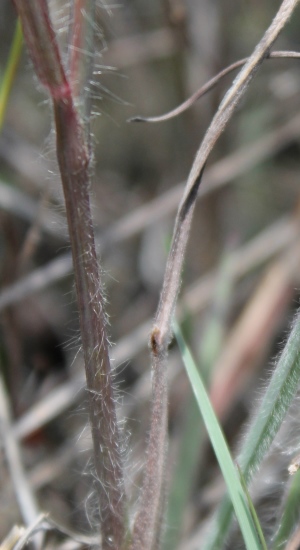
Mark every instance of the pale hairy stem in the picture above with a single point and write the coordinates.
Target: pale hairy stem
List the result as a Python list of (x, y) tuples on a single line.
[(148, 518), (74, 162), (148, 521)]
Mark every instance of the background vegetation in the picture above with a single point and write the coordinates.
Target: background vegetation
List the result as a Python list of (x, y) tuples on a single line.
[(241, 272)]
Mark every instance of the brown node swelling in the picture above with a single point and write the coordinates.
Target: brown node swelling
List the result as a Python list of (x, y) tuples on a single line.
[(155, 341)]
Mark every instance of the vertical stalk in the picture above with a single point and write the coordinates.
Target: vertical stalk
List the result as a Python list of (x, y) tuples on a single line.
[(149, 513), (73, 154), (73, 160)]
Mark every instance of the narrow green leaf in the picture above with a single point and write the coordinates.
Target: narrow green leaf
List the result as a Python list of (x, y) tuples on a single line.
[(252, 510), (221, 449), (193, 430), (278, 397), (8, 77), (290, 515)]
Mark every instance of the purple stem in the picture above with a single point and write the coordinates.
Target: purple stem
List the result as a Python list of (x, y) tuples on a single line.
[(74, 163)]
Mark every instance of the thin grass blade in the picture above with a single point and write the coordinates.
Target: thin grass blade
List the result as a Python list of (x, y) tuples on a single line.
[(265, 425), (219, 444), (252, 510), (290, 514), (10, 70)]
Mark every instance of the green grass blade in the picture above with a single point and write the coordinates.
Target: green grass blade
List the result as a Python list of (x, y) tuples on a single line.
[(252, 510), (10, 70), (290, 515), (265, 425), (193, 430), (220, 447)]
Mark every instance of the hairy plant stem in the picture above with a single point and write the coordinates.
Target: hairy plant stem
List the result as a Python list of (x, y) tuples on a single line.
[(148, 520), (147, 526), (74, 162)]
